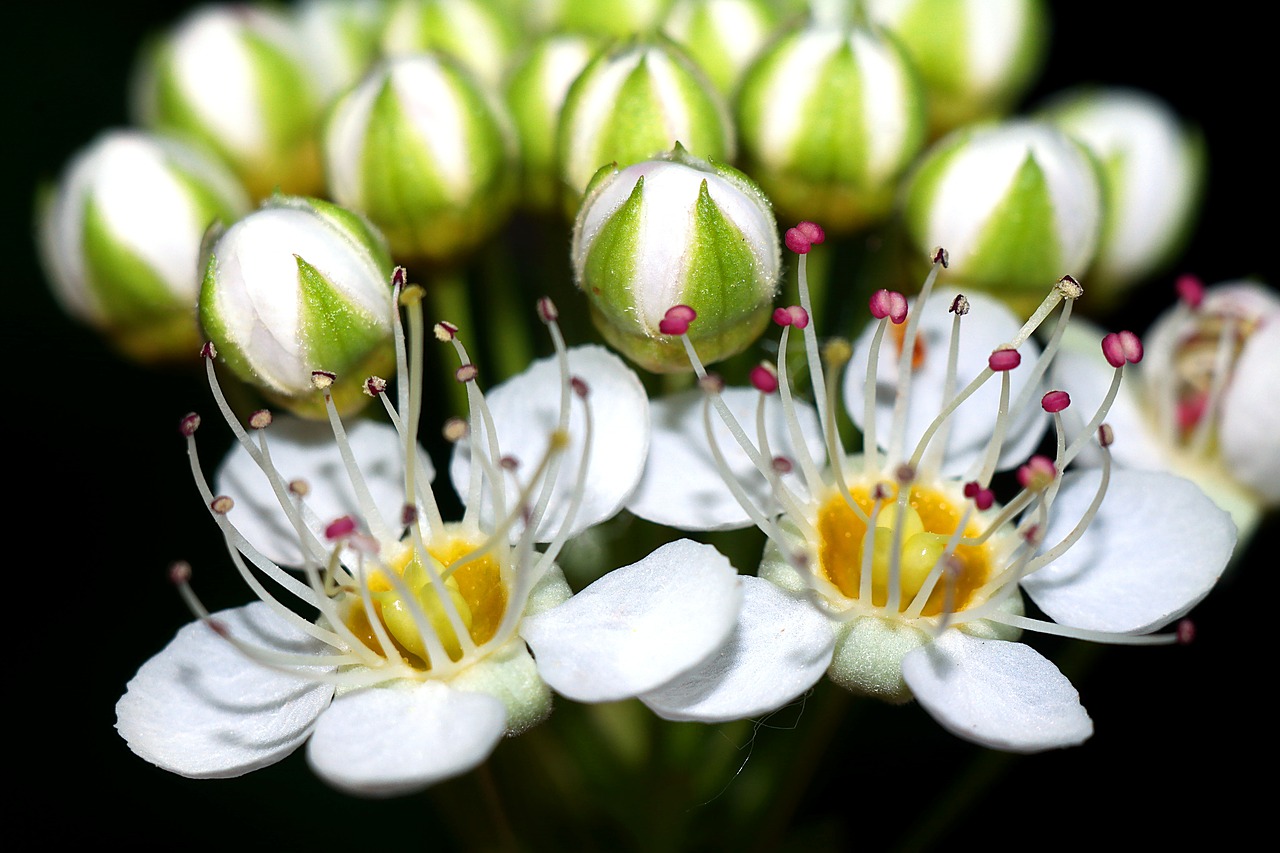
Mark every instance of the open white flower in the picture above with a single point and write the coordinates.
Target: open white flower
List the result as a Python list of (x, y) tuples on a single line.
[(412, 662), (903, 550), (1205, 401)]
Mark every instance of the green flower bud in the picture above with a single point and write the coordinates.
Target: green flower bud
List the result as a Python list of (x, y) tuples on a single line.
[(535, 93), (975, 56), (474, 33), (676, 231), (340, 38), (635, 102), (298, 286), (233, 79), (610, 18), (425, 153), (1153, 168), (723, 36), (120, 238), (829, 119), (1016, 205)]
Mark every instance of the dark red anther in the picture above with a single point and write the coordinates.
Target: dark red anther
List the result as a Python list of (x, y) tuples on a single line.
[(804, 237), (1055, 401), (889, 303), (1190, 290), (1004, 359), (677, 319), (1122, 348), (340, 528), (189, 424), (764, 379)]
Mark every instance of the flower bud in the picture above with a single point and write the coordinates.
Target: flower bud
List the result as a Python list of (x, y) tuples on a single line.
[(424, 153), (1153, 169), (340, 40), (676, 231), (608, 18), (829, 119), (975, 57), (297, 286), (722, 36), (1017, 205), (233, 79), (471, 32), (635, 102), (535, 93), (120, 238)]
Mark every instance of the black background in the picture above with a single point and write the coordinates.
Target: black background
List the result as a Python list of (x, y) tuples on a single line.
[(104, 502)]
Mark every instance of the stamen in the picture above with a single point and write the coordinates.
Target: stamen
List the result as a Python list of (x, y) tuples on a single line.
[(1003, 360), (1190, 290), (189, 424), (764, 379), (1120, 348), (677, 319), (1055, 401)]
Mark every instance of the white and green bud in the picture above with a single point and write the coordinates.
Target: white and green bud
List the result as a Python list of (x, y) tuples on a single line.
[(975, 57), (475, 33), (298, 286), (1016, 205), (723, 36), (423, 151), (635, 102), (535, 94), (120, 238), (829, 119), (676, 231), (607, 18), (340, 39), (233, 79), (1153, 168)]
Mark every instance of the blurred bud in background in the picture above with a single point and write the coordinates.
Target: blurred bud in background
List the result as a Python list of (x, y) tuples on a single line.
[(475, 33), (120, 239), (722, 36), (422, 150), (634, 102), (339, 41), (232, 78), (1153, 167), (676, 231), (975, 57), (830, 118), (1018, 205)]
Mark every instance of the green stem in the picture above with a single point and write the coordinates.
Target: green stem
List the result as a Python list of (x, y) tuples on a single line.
[(449, 298)]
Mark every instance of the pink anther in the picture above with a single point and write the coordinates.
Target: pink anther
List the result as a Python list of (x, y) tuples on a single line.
[(1004, 359), (1055, 401), (1120, 348), (677, 319), (764, 379), (889, 303)]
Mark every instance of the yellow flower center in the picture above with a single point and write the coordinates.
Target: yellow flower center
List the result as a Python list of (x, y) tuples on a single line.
[(927, 523), (475, 590)]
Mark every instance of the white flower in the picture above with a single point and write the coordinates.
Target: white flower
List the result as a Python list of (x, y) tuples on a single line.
[(415, 663), (903, 550), (1205, 401)]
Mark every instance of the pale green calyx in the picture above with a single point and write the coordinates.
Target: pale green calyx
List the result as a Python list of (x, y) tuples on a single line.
[(635, 102), (1016, 205), (425, 153), (975, 57), (234, 80), (676, 231), (299, 286), (723, 36), (474, 33), (535, 93), (829, 119), (120, 238), (1153, 169)]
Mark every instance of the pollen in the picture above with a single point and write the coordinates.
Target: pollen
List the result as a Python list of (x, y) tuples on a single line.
[(926, 526)]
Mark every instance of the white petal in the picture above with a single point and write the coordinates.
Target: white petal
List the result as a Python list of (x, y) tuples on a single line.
[(1154, 550), (1250, 430), (683, 488), (392, 740), (638, 627), (987, 326), (780, 647), (202, 709), (525, 413), (996, 693), (1082, 371), (307, 450)]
